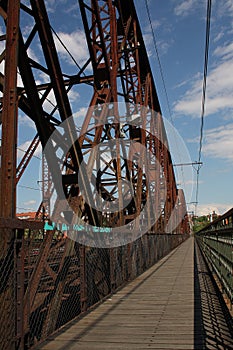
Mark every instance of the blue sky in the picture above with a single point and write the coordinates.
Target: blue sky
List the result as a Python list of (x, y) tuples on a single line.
[(179, 27)]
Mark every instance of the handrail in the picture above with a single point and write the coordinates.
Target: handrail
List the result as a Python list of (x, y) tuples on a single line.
[(217, 247)]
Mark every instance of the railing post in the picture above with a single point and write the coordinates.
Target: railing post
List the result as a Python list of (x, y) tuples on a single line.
[(19, 261), (83, 279)]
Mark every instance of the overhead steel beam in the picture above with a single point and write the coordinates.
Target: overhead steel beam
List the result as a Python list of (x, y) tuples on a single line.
[(120, 73), (27, 157)]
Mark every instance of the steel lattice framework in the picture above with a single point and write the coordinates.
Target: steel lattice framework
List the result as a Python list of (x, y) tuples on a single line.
[(121, 75)]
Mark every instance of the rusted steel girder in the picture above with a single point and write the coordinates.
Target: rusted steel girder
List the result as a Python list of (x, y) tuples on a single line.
[(8, 177), (183, 221), (27, 157), (117, 54), (121, 70), (121, 73), (14, 224), (9, 115)]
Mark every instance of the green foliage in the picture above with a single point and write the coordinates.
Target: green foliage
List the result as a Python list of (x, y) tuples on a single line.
[(199, 223)]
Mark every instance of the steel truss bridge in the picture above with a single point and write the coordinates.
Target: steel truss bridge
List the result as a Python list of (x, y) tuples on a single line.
[(109, 170)]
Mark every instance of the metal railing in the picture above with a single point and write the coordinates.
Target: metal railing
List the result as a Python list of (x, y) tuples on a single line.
[(56, 279), (216, 243)]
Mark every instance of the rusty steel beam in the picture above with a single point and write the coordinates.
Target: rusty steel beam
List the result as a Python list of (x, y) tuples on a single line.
[(95, 39), (43, 125), (47, 187), (111, 42), (121, 72), (103, 48), (53, 65), (20, 279), (56, 296), (27, 157), (83, 278), (31, 291), (121, 46), (9, 115), (20, 224), (36, 111), (182, 213), (57, 83), (51, 57), (8, 177)]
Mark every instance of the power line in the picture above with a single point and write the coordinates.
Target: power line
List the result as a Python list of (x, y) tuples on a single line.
[(21, 208), (208, 16), (66, 49), (30, 188), (23, 150), (205, 75), (159, 62), (163, 81), (193, 163), (73, 59)]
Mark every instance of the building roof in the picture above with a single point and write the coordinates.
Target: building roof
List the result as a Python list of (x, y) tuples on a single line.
[(30, 215)]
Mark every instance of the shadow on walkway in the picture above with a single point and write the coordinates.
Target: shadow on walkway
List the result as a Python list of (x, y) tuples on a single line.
[(213, 326)]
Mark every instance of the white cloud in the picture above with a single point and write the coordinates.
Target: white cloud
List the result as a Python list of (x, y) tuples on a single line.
[(218, 36), (79, 117), (219, 88), (50, 102), (76, 44), (23, 148), (24, 120), (31, 202), (206, 209), (184, 8), (155, 24), (162, 45), (225, 7), (72, 9), (43, 77), (50, 5), (225, 51), (219, 142), (73, 95), (228, 6), (159, 27), (192, 182)]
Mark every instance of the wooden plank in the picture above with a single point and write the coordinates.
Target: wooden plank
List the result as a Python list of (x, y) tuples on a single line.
[(158, 310), (155, 310)]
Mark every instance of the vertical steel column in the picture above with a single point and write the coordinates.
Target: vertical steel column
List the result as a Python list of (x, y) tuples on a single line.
[(9, 114), (8, 178), (46, 188)]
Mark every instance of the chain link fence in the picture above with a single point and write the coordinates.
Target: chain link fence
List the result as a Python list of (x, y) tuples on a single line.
[(7, 290), (48, 280)]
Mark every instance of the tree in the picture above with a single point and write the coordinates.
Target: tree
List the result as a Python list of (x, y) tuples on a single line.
[(199, 223)]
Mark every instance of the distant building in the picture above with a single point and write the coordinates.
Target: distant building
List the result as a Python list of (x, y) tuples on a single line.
[(31, 215), (212, 216)]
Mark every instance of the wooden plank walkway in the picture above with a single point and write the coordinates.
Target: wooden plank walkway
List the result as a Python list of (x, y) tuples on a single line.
[(160, 309)]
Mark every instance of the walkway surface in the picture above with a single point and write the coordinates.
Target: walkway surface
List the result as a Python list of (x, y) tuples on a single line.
[(173, 305)]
